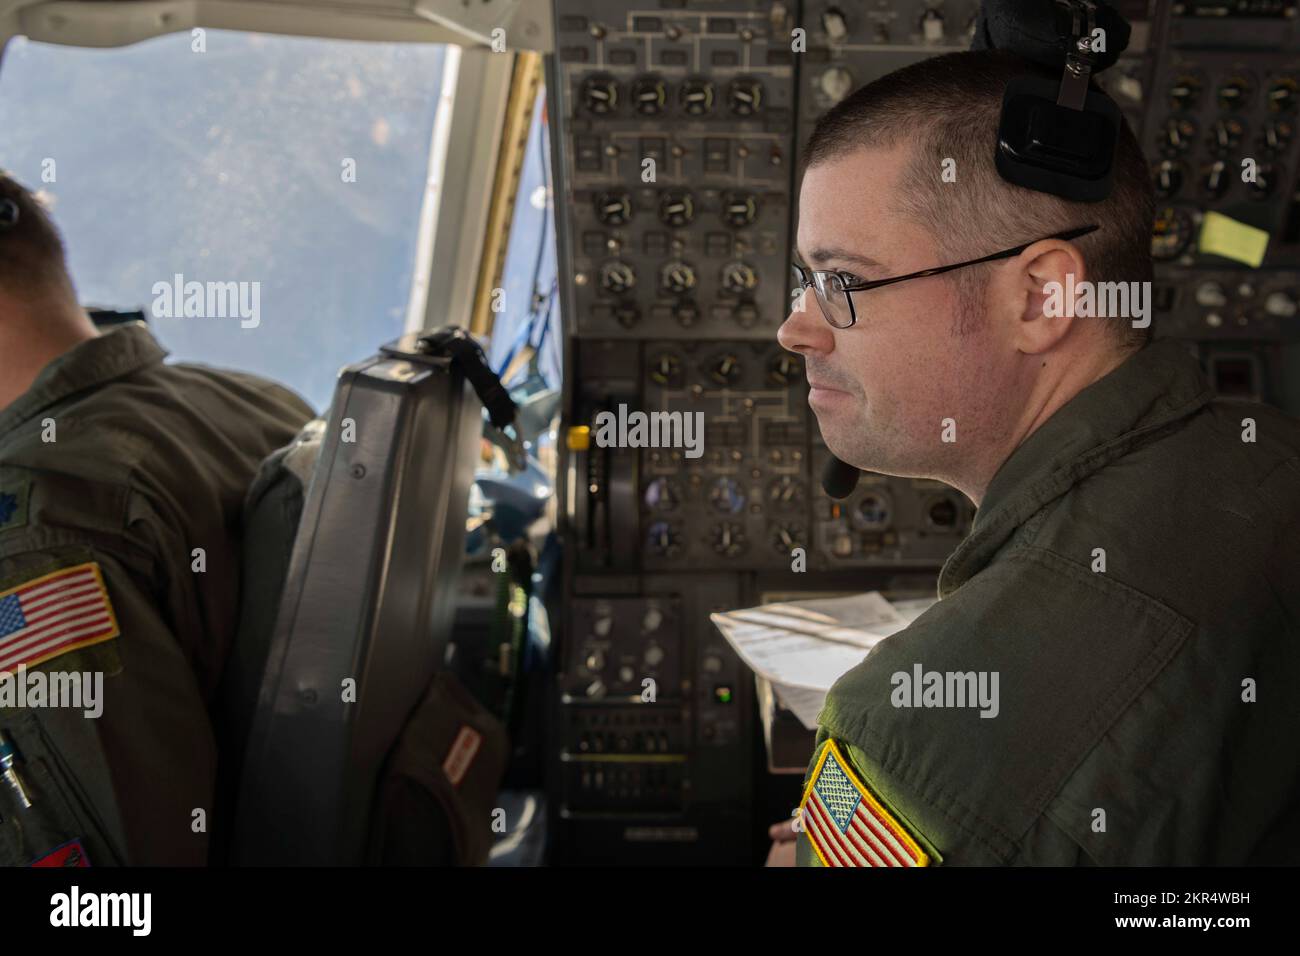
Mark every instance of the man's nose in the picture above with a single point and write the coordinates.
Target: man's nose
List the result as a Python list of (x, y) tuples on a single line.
[(804, 329)]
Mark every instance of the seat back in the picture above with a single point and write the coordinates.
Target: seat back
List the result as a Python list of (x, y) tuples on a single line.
[(364, 615), (272, 512)]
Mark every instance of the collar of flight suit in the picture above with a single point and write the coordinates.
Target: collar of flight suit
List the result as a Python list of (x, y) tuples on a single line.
[(88, 364), (1151, 391)]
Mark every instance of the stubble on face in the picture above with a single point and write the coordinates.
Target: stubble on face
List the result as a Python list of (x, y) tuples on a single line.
[(906, 382)]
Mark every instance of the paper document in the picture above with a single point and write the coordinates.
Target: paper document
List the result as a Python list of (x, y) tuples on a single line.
[(861, 620), (803, 647), (803, 703)]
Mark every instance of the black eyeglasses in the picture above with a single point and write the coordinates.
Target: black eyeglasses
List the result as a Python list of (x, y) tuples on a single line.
[(832, 288)]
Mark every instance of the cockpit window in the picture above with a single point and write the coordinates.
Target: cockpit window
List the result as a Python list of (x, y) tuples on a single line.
[(258, 197)]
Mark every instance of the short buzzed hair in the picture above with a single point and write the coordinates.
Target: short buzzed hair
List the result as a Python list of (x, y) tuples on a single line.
[(949, 107), (32, 257)]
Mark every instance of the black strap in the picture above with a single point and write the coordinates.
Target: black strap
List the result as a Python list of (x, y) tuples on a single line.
[(468, 354)]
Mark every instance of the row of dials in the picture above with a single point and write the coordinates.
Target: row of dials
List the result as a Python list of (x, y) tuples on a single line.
[(726, 538), (1214, 179), (1178, 136), (619, 277), (726, 369), (838, 26), (1186, 93), (727, 496), (601, 94), (676, 208)]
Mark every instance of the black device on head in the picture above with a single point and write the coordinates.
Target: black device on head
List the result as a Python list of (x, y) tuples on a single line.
[(8, 213), (1057, 138)]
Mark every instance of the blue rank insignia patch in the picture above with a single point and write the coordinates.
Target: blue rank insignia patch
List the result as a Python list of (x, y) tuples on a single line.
[(847, 825), (13, 506)]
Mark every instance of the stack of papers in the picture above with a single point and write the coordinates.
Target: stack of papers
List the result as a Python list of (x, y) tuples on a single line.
[(803, 647)]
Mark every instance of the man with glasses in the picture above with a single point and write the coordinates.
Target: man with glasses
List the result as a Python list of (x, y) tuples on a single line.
[(1131, 583)]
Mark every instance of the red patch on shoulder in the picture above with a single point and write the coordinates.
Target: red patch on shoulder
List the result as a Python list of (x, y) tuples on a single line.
[(71, 853)]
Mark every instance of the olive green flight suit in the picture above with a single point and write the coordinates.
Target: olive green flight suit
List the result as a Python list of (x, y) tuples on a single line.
[(114, 458), (1149, 706)]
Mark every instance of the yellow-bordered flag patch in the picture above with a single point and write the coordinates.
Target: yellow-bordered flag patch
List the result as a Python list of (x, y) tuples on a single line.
[(847, 825), (54, 614)]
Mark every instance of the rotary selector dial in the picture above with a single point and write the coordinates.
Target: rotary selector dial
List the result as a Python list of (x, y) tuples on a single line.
[(677, 277), (1214, 179), (726, 496), (728, 539), (784, 369), (745, 96), (1226, 135), (696, 96), (614, 208), (617, 277), (1233, 93), (1282, 96), (786, 537), (664, 540), (1178, 134), (1276, 136), (599, 94), (1168, 178), (785, 493), (649, 95), (677, 208), (739, 209), (666, 369), (739, 278), (1184, 92), (663, 494), (725, 369)]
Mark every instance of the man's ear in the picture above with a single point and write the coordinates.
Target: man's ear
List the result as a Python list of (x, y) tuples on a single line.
[(1049, 273)]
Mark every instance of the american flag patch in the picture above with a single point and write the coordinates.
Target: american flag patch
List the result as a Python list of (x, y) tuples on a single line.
[(53, 615), (846, 825)]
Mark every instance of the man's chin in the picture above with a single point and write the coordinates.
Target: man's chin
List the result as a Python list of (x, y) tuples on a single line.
[(845, 450), (851, 449)]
